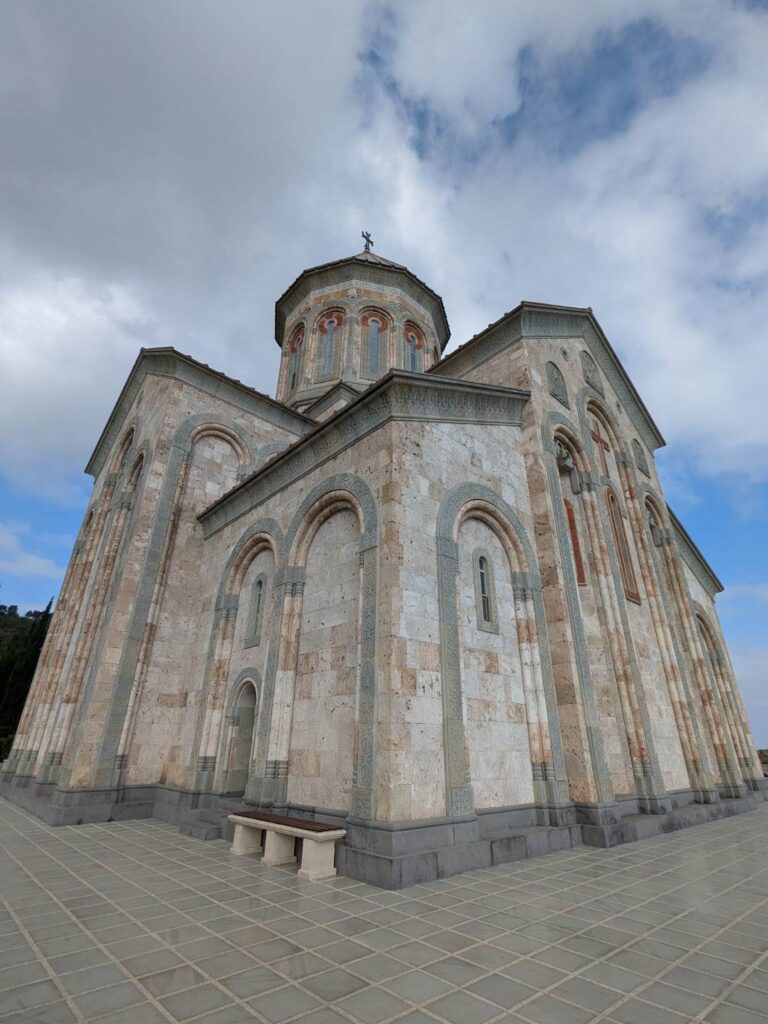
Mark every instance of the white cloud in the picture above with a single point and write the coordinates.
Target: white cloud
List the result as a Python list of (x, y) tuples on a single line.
[(751, 590), (168, 176), (16, 561), (751, 667)]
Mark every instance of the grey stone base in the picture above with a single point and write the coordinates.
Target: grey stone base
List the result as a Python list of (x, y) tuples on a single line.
[(686, 809), (399, 854)]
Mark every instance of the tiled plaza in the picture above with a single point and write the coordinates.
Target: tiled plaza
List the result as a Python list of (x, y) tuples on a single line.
[(134, 923)]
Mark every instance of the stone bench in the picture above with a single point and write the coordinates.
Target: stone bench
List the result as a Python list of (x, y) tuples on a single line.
[(318, 841)]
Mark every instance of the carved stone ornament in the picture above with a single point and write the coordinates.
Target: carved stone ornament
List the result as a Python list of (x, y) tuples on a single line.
[(566, 464), (591, 372), (556, 383), (640, 459), (653, 526)]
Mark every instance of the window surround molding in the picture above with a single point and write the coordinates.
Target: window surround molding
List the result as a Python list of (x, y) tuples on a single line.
[(573, 530), (295, 359), (485, 625), (328, 367), (413, 352), (621, 543), (385, 329)]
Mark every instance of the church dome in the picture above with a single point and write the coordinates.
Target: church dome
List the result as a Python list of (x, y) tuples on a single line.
[(349, 322)]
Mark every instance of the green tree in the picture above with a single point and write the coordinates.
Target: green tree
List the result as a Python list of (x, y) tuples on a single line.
[(18, 660)]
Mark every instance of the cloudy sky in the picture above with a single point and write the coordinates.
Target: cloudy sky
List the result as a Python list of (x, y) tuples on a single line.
[(166, 169)]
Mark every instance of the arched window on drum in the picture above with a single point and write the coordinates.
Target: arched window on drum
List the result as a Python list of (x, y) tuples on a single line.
[(374, 356), (295, 349), (414, 348), (328, 344)]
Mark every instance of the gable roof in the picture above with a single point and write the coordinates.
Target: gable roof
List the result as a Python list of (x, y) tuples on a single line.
[(342, 388), (533, 319), (168, 362)]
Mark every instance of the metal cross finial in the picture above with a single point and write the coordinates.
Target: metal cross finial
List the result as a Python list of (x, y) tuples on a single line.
[(368, 240)]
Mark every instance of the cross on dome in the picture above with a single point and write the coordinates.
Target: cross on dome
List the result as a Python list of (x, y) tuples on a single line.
[(366, 235)]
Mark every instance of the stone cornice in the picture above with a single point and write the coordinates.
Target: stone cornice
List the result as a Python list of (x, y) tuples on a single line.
[(355, 269), (399, 395), (693, 558), (167, 362), (537, 319)]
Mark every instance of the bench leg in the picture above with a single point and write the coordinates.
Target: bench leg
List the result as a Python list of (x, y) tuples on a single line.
[(278, 849), (246, 840), (317, 860)]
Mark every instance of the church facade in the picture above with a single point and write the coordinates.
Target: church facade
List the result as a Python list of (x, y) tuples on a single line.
[(438, 598)]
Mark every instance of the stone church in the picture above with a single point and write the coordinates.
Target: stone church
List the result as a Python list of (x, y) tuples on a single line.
[(437, 598)]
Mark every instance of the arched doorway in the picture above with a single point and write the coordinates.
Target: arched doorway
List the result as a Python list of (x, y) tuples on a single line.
[(241, 744)]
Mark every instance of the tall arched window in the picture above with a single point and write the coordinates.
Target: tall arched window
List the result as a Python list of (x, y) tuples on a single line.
[(485, 597), (575, 546), (258, 598), (622, 548), (414, 348), (329, 329), (294, 360), (373, 344), (374, 325)]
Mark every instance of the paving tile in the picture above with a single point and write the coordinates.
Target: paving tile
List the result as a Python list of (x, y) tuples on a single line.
[(108, 1000), (248, 935), (417, 986), (253, 982), (635, 1011), (21, 974), (173, 980), (92, 978), (284, 1003), (673, 998), (225, 963), (747, 998), (273, 949), (51, 1013), (77, 961), (27, 996), (500, 990), (345, 951), (328, 1016), (457, 972), (377, 967), (141, 1013), (463, 1008), (194, 1001), (417, 953), (302, 965), (151, 963), (373, 1005), (334, 984), (727, 1013), (547, 1009)]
